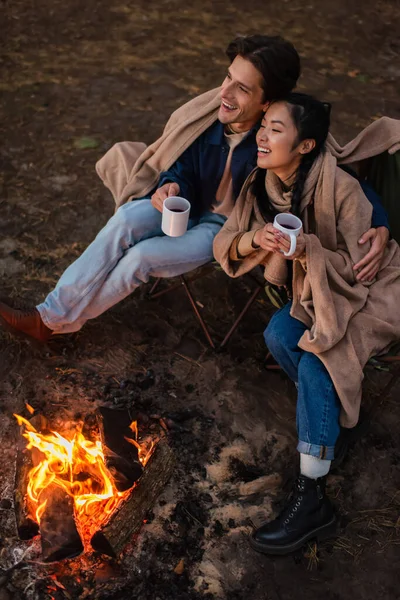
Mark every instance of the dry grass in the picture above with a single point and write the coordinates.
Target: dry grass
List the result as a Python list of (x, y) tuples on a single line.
[(379, 527)]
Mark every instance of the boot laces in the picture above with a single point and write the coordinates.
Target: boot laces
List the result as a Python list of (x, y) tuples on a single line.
[(295, 499)]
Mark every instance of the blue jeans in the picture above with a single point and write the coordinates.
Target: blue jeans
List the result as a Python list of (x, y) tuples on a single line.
[(318, 405), (126, 252)]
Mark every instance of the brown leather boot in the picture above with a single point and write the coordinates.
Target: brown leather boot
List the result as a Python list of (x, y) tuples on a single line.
[(28, 322)]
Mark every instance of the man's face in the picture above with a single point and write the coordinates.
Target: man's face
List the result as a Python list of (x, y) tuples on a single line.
[(242, 102)]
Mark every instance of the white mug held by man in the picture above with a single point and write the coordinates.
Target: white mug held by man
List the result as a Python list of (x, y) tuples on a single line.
[(175, 216)]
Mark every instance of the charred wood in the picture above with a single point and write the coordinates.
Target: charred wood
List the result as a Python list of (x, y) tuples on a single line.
[(128, 519), (121, 457), (27, 528), (59, 535)]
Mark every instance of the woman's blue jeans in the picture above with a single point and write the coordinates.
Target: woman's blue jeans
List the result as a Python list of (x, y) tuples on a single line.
[(318, 405)]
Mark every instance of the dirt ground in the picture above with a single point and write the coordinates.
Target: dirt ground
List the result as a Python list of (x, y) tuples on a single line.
[(76, 78)]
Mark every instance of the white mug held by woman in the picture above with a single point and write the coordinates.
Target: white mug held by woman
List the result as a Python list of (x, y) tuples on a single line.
[(291, 226)]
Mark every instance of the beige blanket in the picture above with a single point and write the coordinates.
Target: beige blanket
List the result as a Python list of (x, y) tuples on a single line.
[(130, 170), (348, 321)]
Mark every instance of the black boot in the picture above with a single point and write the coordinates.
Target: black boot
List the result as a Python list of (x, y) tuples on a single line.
[(309, 514)]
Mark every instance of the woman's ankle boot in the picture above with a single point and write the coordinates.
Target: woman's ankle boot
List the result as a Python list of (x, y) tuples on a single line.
[(308, 515)]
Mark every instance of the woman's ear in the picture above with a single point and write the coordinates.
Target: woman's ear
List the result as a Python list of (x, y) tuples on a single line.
[(306, 146)]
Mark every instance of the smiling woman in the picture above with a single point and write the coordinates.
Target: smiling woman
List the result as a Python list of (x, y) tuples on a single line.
[(334, 323)]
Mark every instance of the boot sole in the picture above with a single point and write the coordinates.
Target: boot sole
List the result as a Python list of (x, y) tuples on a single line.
[(321, 533)]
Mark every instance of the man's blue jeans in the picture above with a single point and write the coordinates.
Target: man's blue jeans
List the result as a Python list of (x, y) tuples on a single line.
[(129, 249), (318, 405)]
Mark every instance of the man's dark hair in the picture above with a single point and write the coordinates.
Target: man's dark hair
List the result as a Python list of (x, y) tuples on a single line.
[(276, 59)]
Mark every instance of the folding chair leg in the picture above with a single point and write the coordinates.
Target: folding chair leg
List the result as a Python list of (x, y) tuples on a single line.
[(170, 288), (242, 314), (153, 287), (174, 286), (196, 312)]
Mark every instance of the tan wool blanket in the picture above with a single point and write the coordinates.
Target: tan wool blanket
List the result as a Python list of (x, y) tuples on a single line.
[(131, 170), (348, 321)]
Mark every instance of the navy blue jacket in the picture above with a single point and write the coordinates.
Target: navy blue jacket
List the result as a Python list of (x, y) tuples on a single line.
[(198, 171)]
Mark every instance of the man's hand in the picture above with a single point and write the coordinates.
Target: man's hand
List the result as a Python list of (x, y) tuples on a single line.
[(165, 191), (370, 264)]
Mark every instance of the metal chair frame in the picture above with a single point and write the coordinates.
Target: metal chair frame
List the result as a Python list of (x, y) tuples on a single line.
[(184, 282)]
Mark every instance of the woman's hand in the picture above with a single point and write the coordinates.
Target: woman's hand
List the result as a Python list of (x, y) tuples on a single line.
[(265, 238), (274, 240), (283, 241)]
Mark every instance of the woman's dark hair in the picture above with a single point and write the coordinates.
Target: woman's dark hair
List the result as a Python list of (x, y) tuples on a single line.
[(276, 59), (311, 119)]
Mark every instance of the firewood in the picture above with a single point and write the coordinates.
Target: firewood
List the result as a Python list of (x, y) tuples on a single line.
[(27, 528), (121, 457), (128, 519), (59, 535)]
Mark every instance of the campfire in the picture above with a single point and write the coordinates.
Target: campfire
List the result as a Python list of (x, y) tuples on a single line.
[(73, 487)]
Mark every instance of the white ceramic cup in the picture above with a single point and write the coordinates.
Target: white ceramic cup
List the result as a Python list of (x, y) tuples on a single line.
[(291, 225), (175, 216)]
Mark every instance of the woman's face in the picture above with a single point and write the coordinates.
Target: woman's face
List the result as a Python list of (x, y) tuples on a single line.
[(276, 141)]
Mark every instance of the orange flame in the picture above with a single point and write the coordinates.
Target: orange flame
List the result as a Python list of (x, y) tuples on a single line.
[(78, 467), (143, 454)]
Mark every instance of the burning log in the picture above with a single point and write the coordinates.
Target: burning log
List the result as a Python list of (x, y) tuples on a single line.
[(27, 528), (128, 518), (122, 458), (59, 535)]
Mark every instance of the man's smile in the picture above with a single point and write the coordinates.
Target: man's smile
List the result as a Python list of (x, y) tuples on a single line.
[(228, 106)]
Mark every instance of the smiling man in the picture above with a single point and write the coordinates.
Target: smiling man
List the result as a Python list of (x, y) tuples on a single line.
[(213, 141)]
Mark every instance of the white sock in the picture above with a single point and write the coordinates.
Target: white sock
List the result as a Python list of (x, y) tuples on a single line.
[(314, 467)]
